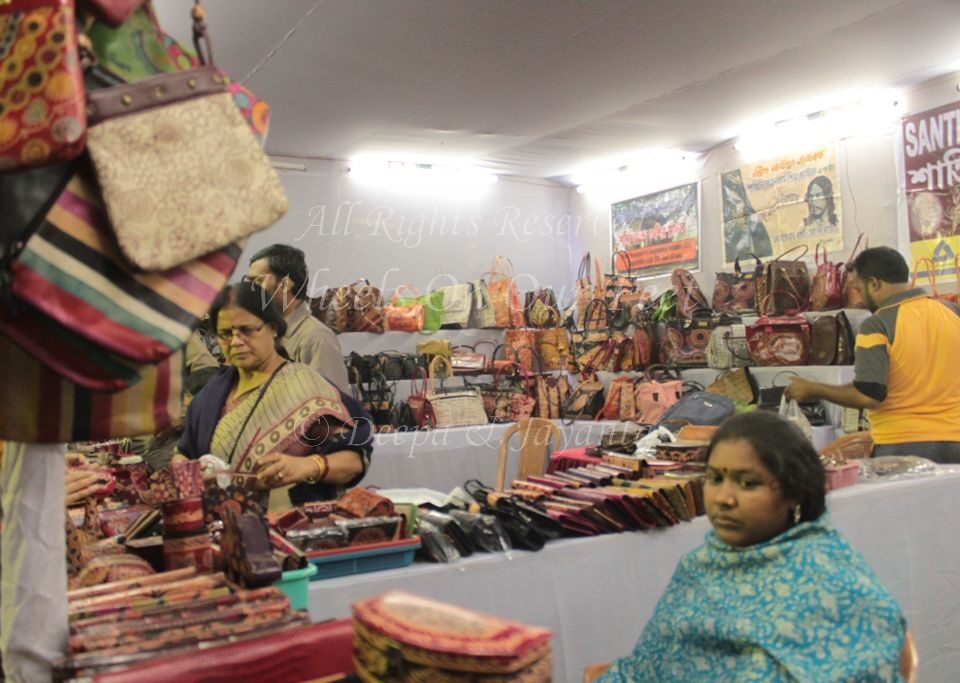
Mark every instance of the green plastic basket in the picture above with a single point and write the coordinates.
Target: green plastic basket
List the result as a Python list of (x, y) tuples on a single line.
[(295, 585)]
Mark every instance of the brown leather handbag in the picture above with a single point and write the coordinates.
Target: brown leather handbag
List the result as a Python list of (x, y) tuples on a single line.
[(785, 285), (690, 298), (736, 292), (831, 340)]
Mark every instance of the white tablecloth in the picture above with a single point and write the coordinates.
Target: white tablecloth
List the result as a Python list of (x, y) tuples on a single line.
[(597, 593), (445, 458)]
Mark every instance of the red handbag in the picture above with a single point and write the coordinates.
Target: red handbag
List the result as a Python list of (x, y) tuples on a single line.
[(827, 291), (44, 114), (779, 340)]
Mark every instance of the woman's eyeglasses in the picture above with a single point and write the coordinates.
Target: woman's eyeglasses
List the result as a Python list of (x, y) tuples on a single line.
[(244, 331)]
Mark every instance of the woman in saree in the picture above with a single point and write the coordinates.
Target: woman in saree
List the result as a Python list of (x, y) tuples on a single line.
[(278, 425), (775, 593)]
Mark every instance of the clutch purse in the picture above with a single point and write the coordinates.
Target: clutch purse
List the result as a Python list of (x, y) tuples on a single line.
[(399, 636)]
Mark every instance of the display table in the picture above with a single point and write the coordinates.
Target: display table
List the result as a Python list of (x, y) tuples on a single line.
[(597, 593), (442, 459)]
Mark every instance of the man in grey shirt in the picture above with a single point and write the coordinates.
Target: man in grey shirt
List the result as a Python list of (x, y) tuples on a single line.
[(281, 270)]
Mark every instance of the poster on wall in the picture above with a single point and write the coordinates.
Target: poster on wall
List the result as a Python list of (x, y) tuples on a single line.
[(931, 160), (657, 232), (773, 206)]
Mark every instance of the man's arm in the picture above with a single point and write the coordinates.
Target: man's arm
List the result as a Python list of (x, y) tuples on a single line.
[(846, 395)]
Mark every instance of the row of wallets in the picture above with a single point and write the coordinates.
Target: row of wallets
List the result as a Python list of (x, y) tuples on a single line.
[(120, 625), (594, 499)]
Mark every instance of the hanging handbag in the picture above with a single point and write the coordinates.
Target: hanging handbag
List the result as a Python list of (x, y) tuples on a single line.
[(457, 306), (38, 406), (190, 119), (417, 400), (827, 289), (405, 314), (852, 298), (43, 116), (737, 292), (931, 272), (455, 406), (831, 340), (690, 299), (585, 401), (71, 271), (504, 295), (586, 290), (779, 340), (432, 303), (621, 292), (785, 285), (481, 314)]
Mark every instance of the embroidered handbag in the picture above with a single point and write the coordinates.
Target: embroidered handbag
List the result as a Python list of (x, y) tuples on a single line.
[(510, 396), (737, 292), (736, 384), (466, 360), (690, 299), (223, 190), (42, 111), (685, 341), (779, 340), (431, 304), (457, 305), (827, 289), (540, 308), (785, 285), (504, 295)]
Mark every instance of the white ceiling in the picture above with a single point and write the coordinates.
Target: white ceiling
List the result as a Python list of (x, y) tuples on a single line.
[(542, 87)]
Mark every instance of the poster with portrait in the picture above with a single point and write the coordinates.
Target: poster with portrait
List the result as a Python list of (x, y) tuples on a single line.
[(658, 232), (773, 206), (931, 161)]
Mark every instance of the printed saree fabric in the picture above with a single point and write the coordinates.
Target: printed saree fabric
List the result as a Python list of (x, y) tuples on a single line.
[(803, 606)]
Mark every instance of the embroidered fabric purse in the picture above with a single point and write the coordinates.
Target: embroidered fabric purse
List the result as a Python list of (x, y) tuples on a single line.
[(180, 172), (42, 111)]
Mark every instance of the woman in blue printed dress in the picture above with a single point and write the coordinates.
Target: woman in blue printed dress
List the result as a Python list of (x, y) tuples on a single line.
[(775, 593)]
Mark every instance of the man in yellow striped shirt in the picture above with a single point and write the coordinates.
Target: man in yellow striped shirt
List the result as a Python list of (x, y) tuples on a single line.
[(907, 368)]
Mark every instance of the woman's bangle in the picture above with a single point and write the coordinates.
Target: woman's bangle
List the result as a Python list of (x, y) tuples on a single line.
[(322, 465)]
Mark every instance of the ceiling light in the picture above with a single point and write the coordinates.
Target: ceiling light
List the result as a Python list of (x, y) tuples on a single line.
[(420, 176)]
